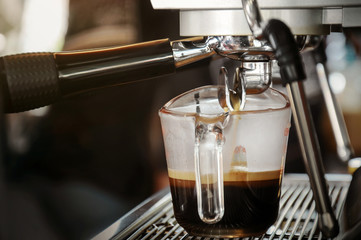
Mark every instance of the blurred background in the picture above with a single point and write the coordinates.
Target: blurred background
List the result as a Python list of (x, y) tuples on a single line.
[(73, 168)]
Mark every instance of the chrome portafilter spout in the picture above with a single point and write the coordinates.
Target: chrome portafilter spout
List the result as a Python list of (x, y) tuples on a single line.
[(233, 96), (253, 77), (292, 74)]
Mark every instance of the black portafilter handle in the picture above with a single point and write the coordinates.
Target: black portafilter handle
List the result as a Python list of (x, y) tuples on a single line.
[(292, 71), (33, 80)]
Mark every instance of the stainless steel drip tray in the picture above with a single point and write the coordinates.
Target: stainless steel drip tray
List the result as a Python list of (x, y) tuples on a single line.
[(154, 218)]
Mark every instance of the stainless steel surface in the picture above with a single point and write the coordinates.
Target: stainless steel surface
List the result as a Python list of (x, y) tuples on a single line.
[(249, 78), (253, 16), (245, 48), (241, 47), (351, 17), (221, 4), (257, 75), (297, 219), (225, 22), (136, 218), (344, 147), (217, 17), (311, 155), (189, 51)]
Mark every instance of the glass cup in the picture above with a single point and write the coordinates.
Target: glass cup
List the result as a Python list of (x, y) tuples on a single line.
[(225, 168)]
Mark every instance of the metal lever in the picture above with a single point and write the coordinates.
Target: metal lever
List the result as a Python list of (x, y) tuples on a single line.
[(292, 74), (344, 148), (312, 158)]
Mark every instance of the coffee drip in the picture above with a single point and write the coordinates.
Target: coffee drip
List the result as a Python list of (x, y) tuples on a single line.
[(252, 77)]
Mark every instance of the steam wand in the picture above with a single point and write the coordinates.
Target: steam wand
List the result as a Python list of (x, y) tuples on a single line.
[(292, 74)]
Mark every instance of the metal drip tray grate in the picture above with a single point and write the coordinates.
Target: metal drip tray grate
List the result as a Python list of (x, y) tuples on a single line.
[(154, 219)]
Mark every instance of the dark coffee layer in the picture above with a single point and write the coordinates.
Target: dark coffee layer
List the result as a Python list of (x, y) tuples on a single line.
[(251, 207)]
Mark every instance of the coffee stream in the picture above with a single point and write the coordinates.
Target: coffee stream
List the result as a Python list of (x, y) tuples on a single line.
[(233, 96)]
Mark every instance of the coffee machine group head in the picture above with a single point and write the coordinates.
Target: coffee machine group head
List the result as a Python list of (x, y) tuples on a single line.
[(238, 29), (279, 30), (242, 31)]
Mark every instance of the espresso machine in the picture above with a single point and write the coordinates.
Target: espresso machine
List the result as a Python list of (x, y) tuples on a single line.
[(254, 34)]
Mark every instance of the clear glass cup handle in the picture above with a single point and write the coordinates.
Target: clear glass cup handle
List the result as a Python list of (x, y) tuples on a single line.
[(209, 140)]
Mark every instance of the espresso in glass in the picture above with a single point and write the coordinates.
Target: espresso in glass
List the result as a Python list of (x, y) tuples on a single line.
[(224, 167), (251, 203)]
